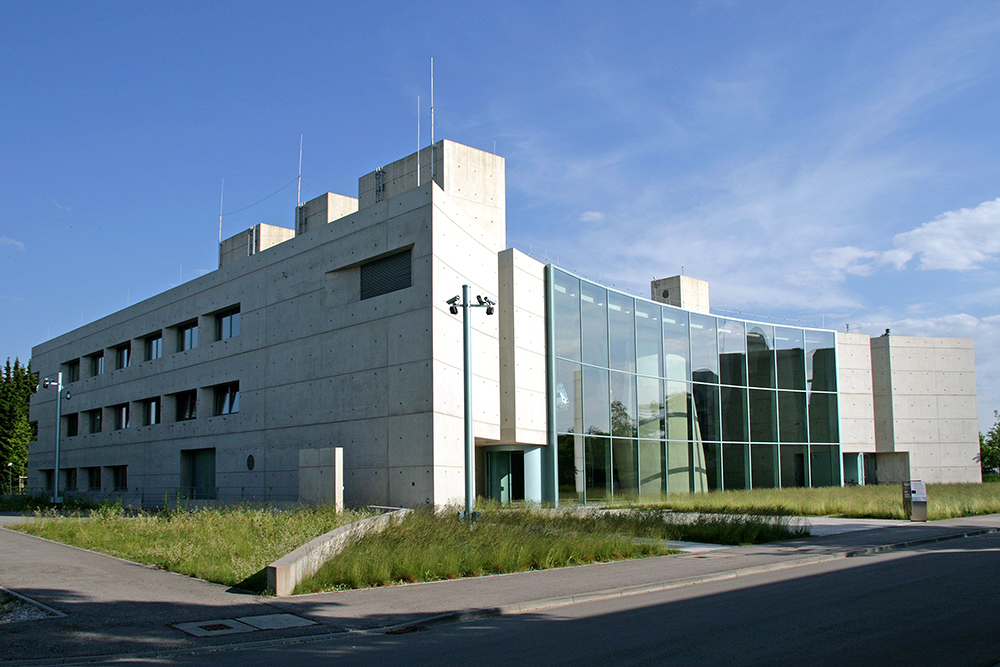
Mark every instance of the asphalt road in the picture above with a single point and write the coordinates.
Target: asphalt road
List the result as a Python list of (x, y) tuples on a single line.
[(932, 605)]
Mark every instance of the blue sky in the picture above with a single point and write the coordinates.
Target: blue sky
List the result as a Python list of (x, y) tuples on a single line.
[(827, 164)]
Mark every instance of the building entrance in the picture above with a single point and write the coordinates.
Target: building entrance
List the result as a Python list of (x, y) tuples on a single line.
[(505, 476)]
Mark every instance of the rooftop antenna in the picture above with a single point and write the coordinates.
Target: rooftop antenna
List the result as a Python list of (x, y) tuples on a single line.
[(418, 140), (298, 194), (222, 192), (432, 119)]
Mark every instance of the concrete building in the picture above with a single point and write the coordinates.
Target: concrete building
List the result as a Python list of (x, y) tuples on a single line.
[(337, 334)]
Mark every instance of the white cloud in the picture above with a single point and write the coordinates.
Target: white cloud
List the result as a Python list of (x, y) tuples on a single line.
[(959, 240), (11, 242), (591, 216)]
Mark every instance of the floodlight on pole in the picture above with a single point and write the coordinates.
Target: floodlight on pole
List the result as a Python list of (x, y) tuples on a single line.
[(57, 382), (465, 303)]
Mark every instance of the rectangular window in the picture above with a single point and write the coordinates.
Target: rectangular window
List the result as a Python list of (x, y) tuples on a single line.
[(119, 478), (227, 323), (154, 346), (94, 416), (72, 372), (123, 356), (227, 398), (72, 425), (152, 410), (69, 479), (187, 405), (187, 336), (97, 364), (385, 275), (121, 416), (93, 479)]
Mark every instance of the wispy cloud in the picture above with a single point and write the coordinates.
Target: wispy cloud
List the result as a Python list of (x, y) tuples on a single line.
[(61, 207), (958, 240), (4, 241)]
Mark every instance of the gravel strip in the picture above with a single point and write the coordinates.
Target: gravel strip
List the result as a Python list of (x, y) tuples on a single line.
[(13, 610)]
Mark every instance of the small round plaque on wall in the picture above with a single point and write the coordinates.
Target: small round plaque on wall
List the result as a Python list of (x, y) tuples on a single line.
[(250, 462)]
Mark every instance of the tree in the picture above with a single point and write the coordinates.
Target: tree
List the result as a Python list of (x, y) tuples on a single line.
[(989, 446), (17, 384)]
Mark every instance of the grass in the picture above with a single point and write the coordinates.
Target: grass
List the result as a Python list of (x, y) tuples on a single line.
[(230, 546), (944, 501), (26, 503), (428, 547)]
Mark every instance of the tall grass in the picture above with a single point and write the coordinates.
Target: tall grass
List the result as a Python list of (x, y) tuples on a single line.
[(229, 546), (944, 501)]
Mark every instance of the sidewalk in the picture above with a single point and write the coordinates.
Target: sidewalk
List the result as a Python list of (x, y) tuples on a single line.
[(113, 607)]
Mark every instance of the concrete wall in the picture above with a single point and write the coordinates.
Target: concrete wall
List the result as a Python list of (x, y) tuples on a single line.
[(925, 404), (682, 292), (854, 380), (251, 241)]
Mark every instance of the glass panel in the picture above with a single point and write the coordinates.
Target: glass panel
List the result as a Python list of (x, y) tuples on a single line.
[(625, 471), (763, 416), (623, 420), (596, 406), (736, 466), (594, 321), (652, 469), (823, 423), (790, 358), (597, 465), (650, 407), (621, 323), (708, 471), (704, 349), (647, 338), (571, 466), (566, 313), (678, 400), (568, 398), (792, 416), (732, 352), (706, 404), (676, 346), (679, 470), (760, 355), (824, 463), (821, 360), (793, 465), (764, 465), (734, 414)]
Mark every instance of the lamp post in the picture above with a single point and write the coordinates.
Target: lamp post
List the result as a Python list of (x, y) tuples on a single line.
[(464, 302), (56, 498)]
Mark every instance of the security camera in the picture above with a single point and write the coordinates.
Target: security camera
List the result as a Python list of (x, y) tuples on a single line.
[(453, 300)]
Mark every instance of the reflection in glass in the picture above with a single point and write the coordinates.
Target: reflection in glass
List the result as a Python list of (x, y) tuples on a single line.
[(760, 355), (734, 414), (821, 360), (712, 467), (793, 465), (676, 344), (825, 465), (621, 323), (763, 415), (764, 466), (823, 422), (568, 398), (732, 352), (623, 416), (679, 403), (594, 314), (597, 465), (680, 470), (596, 406), (650, 407), (566, 311), (652, 469), (791, 361), (625, 477), (792, 416), (735, 471), (704, 349), (571, 468), (647, 338), (706, 402)]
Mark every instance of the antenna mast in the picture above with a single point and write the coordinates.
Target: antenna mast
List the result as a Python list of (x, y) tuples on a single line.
[(222, 192), (432, 119), (298, 194), (418, 140)]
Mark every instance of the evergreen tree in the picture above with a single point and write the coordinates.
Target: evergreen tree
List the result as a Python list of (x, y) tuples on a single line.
[(17, 384), (989, 447)]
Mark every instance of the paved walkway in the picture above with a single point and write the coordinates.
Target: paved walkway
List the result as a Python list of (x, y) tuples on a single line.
[(113, 607)]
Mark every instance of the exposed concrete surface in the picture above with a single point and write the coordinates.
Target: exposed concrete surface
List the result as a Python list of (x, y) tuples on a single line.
[(118, 608)]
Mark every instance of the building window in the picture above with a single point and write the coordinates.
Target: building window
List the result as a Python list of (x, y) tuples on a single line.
[(69, 479), (72, 425), (47, 477), (121, 416), (154, 347), (187, 336), (198, 473), (119, 478), (72, 372), (227, 398), (97, 364), (387, 274), (151, 409), (94, 416), (187, 405), (227, 323), (123, 356), (93, 478)]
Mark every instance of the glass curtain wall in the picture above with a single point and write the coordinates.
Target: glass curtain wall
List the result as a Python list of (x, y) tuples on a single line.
[(649, 399)]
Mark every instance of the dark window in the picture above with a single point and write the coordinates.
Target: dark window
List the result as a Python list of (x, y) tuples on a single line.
[(227, 398), (123, 356), (187, 405), (93, 478), (97, 364), (119, 478), (227, 324), (154, 347), (187, 336), (72, 371), (72, 425), (95, 420), (121, 416), (151, 411), (387, 274)]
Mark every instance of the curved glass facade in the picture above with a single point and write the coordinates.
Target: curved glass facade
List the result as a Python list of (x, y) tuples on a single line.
[(648, 399)]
